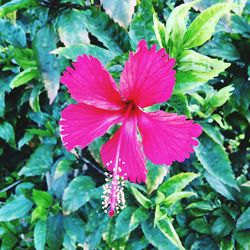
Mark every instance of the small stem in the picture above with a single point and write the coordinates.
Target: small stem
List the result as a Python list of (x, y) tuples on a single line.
[(97, 169), (10, 186), (48, 180), (76, 172), (91, 164)]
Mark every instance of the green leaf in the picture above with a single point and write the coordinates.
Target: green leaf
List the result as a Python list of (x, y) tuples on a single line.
[(155, 176), (40, 132), (180, 104), (221, 96), (62, 167), (2, 231), (159, 197), (9, 241), (200, 225), (12, 33), (25, 58), (143, 200), (137, 243), (97, 230), (191, 60), (44, 42), (213, 132), (156, 237), (177, 182), (202, 28), (39, 162), (160, 214), (73, 51), (138, 186), (123, 222), (40, 235), (24, 77), (176, 28), (202, 205), (244, 195), (195, 69), (159, 29), (240, 97), (173, 198), (25, 140), (4, 88), (168, 230), (120, 11), (241, 26), (55, 232), (217, 118), (71, 28), (219, 186), (77, 193), (15, 5), (244, 220), (139, 215), (227, 244), (142, 25), (42, 199), (110, 34), (222, 226), (40, 213), (7, 133), (23, 187), (204, 243), (213, 48), (15, 209), (68, 243), (216, 162), (243, 238), (34, 98), (75, 228)]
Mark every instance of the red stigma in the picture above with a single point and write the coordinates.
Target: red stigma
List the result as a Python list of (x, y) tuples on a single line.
[(111, 213)]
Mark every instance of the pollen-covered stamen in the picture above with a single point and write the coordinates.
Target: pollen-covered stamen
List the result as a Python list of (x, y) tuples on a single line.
[(113, 195)]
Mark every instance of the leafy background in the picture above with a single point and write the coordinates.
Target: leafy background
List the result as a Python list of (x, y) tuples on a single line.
[(51, 199)]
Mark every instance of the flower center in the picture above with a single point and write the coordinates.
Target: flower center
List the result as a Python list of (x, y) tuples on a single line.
[(130, 106)]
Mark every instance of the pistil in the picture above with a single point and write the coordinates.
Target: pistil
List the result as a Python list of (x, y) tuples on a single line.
[(113, 195)]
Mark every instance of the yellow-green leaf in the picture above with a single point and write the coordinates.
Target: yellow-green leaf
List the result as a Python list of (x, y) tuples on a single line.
[(24, 77), (202, 28)]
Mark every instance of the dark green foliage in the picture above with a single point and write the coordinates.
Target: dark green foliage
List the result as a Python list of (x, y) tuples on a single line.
[(51, 198)]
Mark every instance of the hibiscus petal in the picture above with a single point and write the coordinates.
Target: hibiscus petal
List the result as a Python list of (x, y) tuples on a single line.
[(167, 137), (148, 76), (132, 159), (89, 82), (81, 124)]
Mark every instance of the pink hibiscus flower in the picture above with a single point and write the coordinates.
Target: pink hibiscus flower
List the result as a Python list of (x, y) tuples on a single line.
[(148, 78)]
